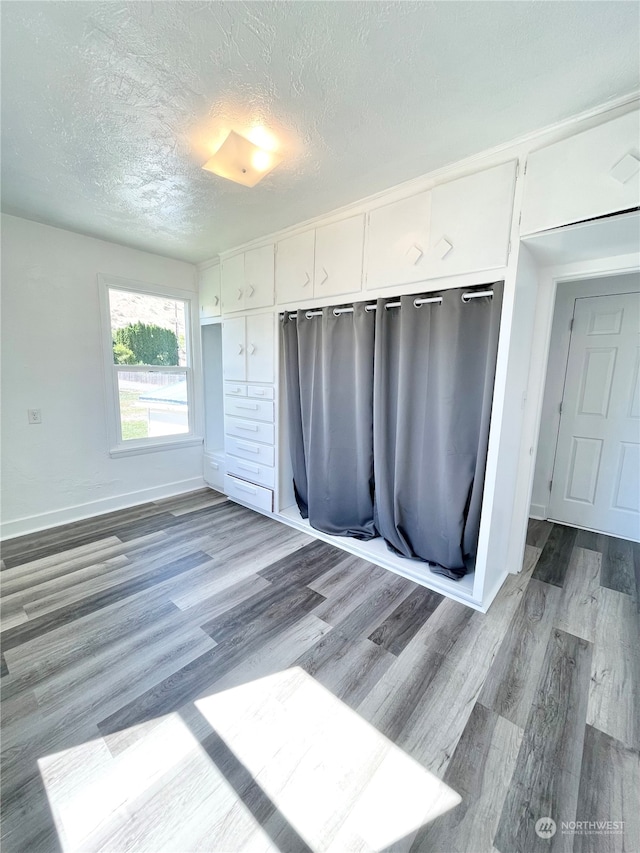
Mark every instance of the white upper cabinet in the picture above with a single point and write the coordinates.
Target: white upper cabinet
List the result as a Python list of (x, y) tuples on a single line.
[(209, 291), (587, 175), (247, 280), (232, 283), (398, 242), (248, 348), (338, 258), (294, 267), (470, 222), (258, 277)]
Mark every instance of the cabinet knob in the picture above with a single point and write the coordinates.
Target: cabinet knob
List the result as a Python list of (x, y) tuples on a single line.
[(307, 280), (251, 291), (252, 349), (216, 300), (326, 276), (239, 293), (625, 169), (442, 247), (240, 349), (414, 253)]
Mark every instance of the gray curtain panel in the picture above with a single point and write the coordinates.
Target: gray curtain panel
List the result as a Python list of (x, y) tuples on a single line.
[(434, 377), (335, 370), (294, 414)]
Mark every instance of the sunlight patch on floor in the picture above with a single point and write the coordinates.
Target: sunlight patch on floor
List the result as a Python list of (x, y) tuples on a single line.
[(331, 776), (339, 783), (163, 792)]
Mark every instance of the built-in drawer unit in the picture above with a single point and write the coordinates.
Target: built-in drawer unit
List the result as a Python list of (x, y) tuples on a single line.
[(260, 410), (245, 449), (253, 471), (253, 430), (249, 493)]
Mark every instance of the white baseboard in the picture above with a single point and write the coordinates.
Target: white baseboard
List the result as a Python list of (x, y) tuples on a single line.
[(538, 511), (45, 520)]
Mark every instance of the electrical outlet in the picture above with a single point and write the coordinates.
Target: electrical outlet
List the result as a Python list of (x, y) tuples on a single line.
[(34, 416)]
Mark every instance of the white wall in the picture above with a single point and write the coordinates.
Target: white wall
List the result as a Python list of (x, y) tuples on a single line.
[(566, 294), (52, 359)]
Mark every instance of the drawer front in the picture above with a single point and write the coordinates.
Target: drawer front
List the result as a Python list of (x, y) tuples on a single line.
[(245, 449), (252, 471), (248, 493), (251, 430), (235, 389), (261, 392), (587, 175), (261, 410), (213, 471)]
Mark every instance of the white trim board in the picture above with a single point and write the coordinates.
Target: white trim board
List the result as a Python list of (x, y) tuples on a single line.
[(46, 520)]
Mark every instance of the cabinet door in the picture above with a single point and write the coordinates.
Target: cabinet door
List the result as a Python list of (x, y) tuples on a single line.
[(260, 348), (398, 242), (590, 174), (234, 349), (232, 284), (294, 267), (470, 222), (258, 277), (209, 289), (338, 261)]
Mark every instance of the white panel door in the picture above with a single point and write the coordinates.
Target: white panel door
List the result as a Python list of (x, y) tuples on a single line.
[(258, 277), (294, 267), (398, 242), (260, 348), (338, 263), (596, 478), (234, 349)]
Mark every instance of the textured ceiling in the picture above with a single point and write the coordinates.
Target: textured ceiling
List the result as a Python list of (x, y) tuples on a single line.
[(109, 109)]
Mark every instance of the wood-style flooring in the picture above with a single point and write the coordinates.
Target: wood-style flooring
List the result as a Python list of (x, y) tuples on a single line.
[(190, 675)]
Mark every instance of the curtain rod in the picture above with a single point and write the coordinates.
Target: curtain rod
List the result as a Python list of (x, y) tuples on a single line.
[(428, 300)]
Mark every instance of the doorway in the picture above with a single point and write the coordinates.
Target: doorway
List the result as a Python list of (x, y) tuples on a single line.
[(588, 463)]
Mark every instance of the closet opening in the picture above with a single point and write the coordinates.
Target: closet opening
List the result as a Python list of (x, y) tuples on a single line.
[(385, 428)]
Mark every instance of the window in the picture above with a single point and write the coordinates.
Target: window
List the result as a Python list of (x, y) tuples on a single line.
[(149, 366)]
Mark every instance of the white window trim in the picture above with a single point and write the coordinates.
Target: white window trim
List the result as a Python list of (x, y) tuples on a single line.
[(133, 447)]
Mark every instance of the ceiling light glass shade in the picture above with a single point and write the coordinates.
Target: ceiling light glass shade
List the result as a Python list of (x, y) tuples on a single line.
[(241, 161)]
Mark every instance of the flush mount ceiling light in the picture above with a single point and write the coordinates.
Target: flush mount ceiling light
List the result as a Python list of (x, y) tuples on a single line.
[(241, 161)]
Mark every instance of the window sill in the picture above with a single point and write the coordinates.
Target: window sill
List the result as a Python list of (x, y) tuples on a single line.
[(133, 449)]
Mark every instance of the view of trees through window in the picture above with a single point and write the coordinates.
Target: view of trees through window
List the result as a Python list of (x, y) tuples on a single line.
[(149, 331)]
